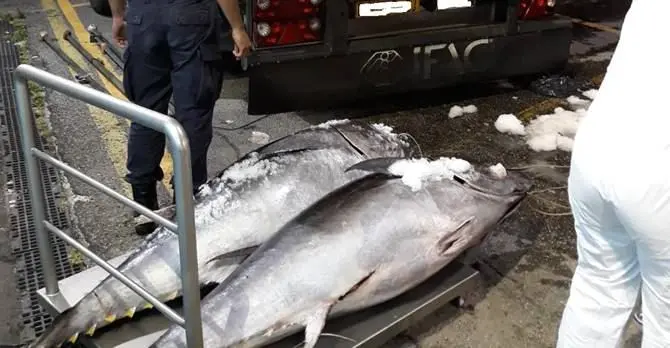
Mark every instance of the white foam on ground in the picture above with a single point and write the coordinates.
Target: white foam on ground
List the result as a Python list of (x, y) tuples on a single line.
[(550, 132), (498, 171), (470, 109), (455, 111), (578, 102), (554, 131), (591, 94), (508, 123), (415, 172), (458, 111)]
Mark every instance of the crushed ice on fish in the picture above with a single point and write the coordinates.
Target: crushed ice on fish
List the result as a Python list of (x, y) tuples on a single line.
[(329, 123), (418, 170), (388, 131), (259, 138)]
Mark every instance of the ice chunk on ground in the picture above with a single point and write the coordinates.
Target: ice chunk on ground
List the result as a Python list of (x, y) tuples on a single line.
[(591, 93), (577, 101), (498, 171), (415, 172), (455, 111), (508, 123), (554, 131), (470, 109), (549, 132), (259, 138)]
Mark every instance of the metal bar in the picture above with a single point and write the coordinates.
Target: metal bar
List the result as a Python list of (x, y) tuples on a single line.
[(67, 35), (79, 71), (35, 184), (169, 313), (95, 35), (181, 157), (113, 58), (106, 190)]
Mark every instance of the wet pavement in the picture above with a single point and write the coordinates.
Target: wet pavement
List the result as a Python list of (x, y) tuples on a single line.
[(529, 260)]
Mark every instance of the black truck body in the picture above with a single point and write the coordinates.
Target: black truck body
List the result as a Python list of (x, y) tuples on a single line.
[(355, 57)]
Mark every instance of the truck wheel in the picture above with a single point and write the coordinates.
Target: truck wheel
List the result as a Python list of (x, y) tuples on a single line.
[(101, 7)]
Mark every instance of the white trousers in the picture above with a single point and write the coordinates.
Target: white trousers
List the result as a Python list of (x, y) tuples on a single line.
[(620, 201)]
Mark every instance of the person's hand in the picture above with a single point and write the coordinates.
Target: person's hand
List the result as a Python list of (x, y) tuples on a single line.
[(242, 43), (119, 31)]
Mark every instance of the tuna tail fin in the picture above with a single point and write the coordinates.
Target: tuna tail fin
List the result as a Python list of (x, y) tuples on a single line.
[(60, 331), (376, 165)]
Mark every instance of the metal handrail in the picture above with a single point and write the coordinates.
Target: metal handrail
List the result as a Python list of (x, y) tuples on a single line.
[(180, 151)]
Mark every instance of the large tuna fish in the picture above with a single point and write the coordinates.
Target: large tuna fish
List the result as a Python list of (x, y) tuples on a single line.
[(360, 245), (234, 212)]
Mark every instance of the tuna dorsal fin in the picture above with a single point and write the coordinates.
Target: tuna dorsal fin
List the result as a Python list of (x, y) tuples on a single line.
[(375, 165), (216, 267), (451, 237)]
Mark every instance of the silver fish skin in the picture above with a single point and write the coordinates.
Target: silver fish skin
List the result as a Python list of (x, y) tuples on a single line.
[(237, 210), (364, 243)]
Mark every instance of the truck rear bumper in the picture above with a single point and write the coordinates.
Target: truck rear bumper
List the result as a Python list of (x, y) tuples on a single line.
[(409, 61)]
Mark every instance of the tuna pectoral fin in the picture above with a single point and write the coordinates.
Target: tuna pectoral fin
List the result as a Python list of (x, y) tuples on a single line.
[(316, 319), (314, 324), (220, 266), (376, 165), (453, 236)]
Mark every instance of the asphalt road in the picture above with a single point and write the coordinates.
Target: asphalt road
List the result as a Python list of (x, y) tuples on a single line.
[(531, 256)]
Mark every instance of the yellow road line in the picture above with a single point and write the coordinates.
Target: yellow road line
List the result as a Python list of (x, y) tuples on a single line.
[(82, 35), (111, 132), (597, 26)]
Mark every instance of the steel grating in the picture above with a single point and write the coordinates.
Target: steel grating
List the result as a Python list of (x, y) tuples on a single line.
[(23, 236)]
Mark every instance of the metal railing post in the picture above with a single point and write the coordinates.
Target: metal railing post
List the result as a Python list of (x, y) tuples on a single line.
[(186, 232), (26, 129), (181, 156)]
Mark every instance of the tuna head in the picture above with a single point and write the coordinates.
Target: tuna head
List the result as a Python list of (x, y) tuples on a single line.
[(492, 193)]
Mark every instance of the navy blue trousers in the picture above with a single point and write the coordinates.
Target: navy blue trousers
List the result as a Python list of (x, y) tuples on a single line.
[(175, 47)]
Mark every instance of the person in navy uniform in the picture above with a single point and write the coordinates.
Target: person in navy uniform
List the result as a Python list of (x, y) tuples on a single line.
[(173, 48)]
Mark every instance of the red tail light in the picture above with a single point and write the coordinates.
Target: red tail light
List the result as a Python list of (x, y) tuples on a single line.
[(534, 9), (285, 22)]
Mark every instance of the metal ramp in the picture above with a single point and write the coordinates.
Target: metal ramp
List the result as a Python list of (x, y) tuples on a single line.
[(369, 328)]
